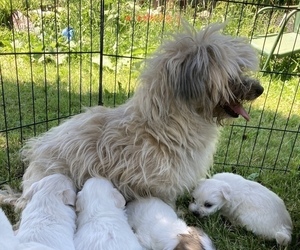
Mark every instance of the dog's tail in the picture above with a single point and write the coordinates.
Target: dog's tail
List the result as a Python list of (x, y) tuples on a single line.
[(9, 196), (283, 237)]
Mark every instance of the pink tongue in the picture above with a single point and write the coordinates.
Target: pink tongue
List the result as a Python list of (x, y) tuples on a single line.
[(239, 109)]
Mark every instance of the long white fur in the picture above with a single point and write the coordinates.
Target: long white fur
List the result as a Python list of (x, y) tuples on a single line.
[(102, 222), (7, 237), (158, 227), (8, 240), (32, 246), (49, 217), (162, 140), (246, 203)]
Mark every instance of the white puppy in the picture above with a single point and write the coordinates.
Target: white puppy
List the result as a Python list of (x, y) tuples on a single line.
[(246, 203), (49, 217), (8, 240), (7, 237), (158, 227), (102, 222), (32, 246)]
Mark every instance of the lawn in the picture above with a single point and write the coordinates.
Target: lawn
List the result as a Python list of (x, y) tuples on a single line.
[(45, 78)]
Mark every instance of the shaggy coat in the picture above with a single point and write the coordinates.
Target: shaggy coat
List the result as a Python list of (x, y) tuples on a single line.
[(162, 140)]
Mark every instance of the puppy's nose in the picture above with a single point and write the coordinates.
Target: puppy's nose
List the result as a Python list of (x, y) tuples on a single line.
[(196, 213), (259, 90)]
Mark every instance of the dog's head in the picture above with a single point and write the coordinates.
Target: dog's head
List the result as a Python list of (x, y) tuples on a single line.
[(207, 71), (196, 239), (97, 191), (209, 196), (58, 186)]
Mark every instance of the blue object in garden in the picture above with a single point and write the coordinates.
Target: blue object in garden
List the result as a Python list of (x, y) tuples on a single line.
[(68, 33)]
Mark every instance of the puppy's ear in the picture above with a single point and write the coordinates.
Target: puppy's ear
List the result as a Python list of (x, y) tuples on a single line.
[(226, 191), (69, 197), (180, 236), (78, 207), (28, 194), (119, 198)]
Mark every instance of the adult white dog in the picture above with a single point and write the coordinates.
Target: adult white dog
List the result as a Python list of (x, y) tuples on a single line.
[(158, 227), (49, 217), (162, 140), (102, 222), (246, 203)]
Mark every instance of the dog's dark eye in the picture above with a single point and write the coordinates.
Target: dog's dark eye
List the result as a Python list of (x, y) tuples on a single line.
[(207, 204)]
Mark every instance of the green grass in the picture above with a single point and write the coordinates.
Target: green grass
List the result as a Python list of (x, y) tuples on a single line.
[(37, 94), (275, 145)]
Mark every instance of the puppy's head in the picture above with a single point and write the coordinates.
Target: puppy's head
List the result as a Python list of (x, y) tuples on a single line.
[(196, 239), (58, 186), (209, 197), (207, 71), (99, 191)]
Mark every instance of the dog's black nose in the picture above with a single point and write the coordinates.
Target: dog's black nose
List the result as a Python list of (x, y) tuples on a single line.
[(259, 90), (196, 213)]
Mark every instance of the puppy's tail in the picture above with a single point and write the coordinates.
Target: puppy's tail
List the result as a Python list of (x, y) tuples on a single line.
[(283, 237)]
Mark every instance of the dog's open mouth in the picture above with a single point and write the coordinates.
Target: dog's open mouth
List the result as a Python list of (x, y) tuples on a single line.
[(236, 109)]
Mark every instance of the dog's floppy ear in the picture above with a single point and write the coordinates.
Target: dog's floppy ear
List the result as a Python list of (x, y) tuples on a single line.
[(184, 75), (69, 197), (119, 198), (78, 207), (226, 191), (28, 194)]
